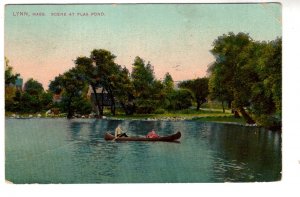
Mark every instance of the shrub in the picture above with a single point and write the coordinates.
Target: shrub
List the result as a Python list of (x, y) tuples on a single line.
[(269, 122), (160, 111), (180, 99)]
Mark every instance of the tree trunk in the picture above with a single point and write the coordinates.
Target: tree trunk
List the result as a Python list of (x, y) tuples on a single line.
[(128, 109), (102, 102), (198, 105), (70, 111), (235, 113), (113, 104), (223, 106), (125, 108), (229, 104), (100, 109), (113, 108), (248, 119)]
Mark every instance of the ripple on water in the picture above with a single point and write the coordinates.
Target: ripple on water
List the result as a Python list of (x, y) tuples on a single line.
[(63, 151)]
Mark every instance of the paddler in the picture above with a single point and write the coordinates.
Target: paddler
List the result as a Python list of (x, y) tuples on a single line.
[(119, 132), (152, 134)]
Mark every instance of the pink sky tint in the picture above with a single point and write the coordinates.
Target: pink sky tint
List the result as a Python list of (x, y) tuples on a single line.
[(42, 71), (45, 70), (167, 35)]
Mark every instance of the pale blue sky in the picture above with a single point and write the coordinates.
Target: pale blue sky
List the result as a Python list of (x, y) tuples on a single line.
[(164, 34)]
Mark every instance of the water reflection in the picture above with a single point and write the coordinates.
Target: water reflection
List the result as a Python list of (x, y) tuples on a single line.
[(245, 154), (208, 152), (235, 153)]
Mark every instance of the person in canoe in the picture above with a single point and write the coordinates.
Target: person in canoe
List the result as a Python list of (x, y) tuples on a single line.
[(119, 132), (152, 134)]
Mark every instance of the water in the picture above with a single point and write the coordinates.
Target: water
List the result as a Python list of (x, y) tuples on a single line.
[(74, 151)]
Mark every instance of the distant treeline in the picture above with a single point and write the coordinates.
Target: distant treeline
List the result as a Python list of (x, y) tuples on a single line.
[(245, 77)]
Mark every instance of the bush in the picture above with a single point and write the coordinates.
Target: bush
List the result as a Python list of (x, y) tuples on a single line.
[(145, 106), (160, 111), (180, 99), (269, 122)]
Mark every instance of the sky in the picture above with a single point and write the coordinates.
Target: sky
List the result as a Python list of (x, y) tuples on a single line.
[(175, 38)]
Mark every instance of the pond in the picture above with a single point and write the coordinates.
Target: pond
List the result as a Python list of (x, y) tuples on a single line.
[(74, 151)]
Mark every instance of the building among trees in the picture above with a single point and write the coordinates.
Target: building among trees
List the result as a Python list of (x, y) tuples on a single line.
[(19, 83), (102, 95)]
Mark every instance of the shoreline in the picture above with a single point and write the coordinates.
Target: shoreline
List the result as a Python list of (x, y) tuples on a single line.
[(218, 118), (225, 119)]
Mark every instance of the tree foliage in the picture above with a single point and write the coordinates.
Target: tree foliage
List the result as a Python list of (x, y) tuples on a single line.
[(168, 82), (180, 99), (10, 93), (100, 70), (73, 90), (199, 87), (124, 90), (148, 92), (142, 76), (33, 87), (218, 87), (32, 100), (10, 77), (248, 73)]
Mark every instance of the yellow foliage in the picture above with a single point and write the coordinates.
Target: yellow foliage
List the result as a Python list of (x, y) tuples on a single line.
[(10, 92)]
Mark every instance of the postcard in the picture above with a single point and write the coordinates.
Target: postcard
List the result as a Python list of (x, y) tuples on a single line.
[(143, 93)]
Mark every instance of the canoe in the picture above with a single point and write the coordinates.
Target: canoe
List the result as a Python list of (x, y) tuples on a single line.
[(169, 138)]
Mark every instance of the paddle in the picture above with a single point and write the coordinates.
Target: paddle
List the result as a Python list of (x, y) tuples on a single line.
[(116, 137)]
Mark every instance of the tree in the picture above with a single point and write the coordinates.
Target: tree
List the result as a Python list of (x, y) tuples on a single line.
[(148, 92), (10, 78), (266, 93), (123, 89), (248, 73), (10, 91), (30, 100), (218, 86), (33, 98), (199, 87), (106, 68), (168, 82), (46, 100), (71, 85), (100, 70), (180, 99), (90, 73), (33, 87), (142, 76), (233, 57)]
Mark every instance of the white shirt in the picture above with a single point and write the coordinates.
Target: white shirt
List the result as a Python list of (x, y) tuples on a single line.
[(118, 131)]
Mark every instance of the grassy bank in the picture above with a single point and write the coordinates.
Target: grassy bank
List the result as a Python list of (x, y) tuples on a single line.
[(195, 117), (207, 115)]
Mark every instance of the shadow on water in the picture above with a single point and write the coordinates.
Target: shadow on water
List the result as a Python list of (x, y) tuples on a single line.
[(245, 154), (236, 153), (74, 151), (104, 157)]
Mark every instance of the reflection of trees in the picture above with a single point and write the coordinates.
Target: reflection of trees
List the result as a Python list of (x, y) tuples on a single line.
[(246, 154), (141, 127), (105, 161), (96, 158)]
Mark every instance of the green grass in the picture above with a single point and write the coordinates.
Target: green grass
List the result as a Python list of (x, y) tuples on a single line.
[(190, 114), (33, 115), (206, 114), (229, 119)]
